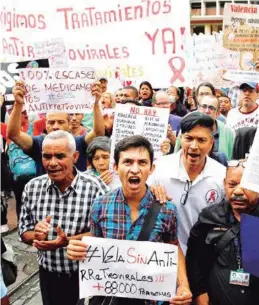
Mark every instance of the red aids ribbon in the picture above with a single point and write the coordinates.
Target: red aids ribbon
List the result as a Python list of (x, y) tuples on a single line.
[(177, 72)]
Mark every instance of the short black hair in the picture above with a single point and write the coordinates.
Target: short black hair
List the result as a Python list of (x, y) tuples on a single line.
[(194, 119), (134, 89), (133, 141), (206, 84), (130, 101)]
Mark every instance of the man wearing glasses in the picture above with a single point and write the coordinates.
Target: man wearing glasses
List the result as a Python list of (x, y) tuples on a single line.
[(223, 135), (189, 176), (214, 260), (163, 100), (247, 115)]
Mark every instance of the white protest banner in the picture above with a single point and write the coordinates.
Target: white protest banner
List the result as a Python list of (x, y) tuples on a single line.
[(250, 178), (58, 90), (53, 49), (241, 34), (130, 269), (132, 120), (133, 40), (208, 60)]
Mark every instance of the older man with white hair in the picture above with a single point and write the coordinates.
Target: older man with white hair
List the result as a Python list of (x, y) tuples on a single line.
[(56, 208), (163, 100)]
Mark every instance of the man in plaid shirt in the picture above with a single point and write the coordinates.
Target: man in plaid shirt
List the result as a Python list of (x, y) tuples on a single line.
[(120, 213), (56, 208)]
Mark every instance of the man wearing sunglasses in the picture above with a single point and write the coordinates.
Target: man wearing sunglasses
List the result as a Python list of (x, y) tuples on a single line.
[(214, 260), (189, 176), (247, 115)]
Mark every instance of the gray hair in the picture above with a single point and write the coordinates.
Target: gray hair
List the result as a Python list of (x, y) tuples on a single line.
[(163, 93), (61, 134), (103, 143)]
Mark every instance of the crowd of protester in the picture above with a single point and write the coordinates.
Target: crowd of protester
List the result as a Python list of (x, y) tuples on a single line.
[(58, 167)]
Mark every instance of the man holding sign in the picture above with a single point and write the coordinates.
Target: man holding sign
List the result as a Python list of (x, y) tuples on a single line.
[(54, 121), (120, 214)]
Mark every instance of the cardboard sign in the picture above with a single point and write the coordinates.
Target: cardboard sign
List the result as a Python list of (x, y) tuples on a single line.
[(58, 90), (139, 120), (250, 178), (139, 39), (241, 34), (53, 49), (9, 73), (130, 269)]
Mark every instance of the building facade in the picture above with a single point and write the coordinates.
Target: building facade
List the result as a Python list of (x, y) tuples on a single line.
[(206, 15)]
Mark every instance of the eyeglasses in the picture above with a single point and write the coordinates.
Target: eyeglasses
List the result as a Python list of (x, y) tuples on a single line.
[(236, 163), (187, 188), (204, 93), (250, 90), (210, 107)]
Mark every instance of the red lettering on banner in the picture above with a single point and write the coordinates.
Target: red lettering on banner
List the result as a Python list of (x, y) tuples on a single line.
[(134, 110), (168, 6), (65, 10), (156, 10), (16, 47), (32, 21), (94, 17), (152, 39), (128, 11), (164, 39), (170, 41), (182, 29), (11, 20), (108, 52)]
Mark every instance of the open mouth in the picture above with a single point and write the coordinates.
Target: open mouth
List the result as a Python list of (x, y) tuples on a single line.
[(194, 156), (54, 171), (134, 180)]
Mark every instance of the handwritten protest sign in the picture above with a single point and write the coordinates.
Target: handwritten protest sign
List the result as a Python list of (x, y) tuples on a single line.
[(149, 122), (53, 49), (156, 41), (9, 73), (130, 269), (241, 34), (250, 178), (64, 90), (208, 60)]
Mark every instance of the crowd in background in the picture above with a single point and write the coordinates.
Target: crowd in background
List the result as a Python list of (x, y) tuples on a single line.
[(232, 115)]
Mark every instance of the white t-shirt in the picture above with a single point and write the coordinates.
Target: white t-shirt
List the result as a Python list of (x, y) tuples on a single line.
[(206, 189), (237, 119)]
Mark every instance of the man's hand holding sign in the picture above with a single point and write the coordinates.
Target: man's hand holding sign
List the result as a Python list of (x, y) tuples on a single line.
[(132, 269), (139, 251)]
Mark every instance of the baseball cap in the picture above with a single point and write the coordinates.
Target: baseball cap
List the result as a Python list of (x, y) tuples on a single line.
[(244, 85)]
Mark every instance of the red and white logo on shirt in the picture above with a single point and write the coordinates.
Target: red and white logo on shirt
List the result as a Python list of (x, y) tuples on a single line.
[(212, 196)]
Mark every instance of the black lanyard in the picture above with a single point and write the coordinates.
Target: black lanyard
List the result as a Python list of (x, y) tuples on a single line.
[(237, 244)]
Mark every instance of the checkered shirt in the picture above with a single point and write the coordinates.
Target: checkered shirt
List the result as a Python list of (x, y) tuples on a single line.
[(110, 218), (70, 210)]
